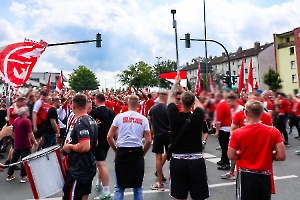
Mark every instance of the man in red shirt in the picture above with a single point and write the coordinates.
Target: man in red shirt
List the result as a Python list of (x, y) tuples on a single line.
[(283, 107), (267, 103), (223, 122), (255, 161)]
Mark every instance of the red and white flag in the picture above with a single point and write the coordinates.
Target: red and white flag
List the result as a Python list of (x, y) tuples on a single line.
[(198, 80), (211, 85), (131, 90), (48, 83), (241, 78), (170, 76), (256, 85), (59, 84), (250, 85), (17, 61)]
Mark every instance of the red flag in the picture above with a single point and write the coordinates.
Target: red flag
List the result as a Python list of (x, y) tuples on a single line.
[(198, 80), (241, 78), (131, 90), (211, 85), (250, 87), (59, 84), (48, 83), (170, 76), (17, 61)]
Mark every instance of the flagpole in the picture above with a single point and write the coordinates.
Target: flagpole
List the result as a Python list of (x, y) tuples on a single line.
[(176, 43)]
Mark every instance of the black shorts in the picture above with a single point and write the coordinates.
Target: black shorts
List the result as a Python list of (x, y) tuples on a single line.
[(39, 133), (188, 176), (255, 186), (75, 189), (101, 150), (161, 143), (62, 133)]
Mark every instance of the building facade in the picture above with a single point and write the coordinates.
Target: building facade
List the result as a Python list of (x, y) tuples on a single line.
[(287, 53), (262, 57)]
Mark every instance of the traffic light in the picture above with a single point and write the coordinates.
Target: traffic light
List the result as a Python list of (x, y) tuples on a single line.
[(187, 40), (98, 40)]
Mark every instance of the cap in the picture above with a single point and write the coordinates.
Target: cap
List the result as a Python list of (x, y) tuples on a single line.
[(44, 92)]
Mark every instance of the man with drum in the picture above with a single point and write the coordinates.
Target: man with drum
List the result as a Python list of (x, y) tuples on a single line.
[(22, 135), (81, 161)]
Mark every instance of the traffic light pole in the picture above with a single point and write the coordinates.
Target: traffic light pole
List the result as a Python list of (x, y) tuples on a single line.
[(98, 42), (188, 39)]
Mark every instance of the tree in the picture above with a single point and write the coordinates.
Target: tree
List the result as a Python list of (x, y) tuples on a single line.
[(140, 75), (163, 67), (83, 79), (272, 79)]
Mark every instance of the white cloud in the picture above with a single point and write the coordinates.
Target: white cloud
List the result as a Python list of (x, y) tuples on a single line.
[(18, 9), (108, 79)]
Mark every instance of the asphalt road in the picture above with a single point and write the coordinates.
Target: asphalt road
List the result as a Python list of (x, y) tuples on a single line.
[(287, 175)]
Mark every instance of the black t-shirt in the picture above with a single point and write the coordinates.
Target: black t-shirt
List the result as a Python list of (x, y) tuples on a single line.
[(3, 114), (191, 140), (82, 166), (30, 108), (51, 114), (106, 117), (159, 119)]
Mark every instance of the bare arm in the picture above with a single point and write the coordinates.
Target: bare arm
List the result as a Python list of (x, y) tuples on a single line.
[(172, 94), (232, 155), (147, 145), (80, 147), (232, 128), (34, 118), (6, 131), (110, 137), (54, 125), (31, 136), (279, 154), (218, 124)]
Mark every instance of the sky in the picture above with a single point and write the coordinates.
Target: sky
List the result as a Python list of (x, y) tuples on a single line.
[(139, 30)]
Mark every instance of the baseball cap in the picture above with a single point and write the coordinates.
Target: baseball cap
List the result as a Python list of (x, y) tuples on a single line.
[(44, 92)]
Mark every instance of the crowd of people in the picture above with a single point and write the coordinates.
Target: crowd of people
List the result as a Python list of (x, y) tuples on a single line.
[(87, 124)]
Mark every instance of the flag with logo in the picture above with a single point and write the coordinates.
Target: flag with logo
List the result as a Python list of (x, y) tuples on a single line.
[(59, 84), (211, 85)]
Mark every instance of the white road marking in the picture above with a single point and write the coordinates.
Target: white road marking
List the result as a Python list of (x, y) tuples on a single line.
[(213, 160), (208, 155)]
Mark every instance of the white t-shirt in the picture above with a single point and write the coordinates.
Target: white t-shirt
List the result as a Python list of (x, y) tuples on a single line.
[(131, 126), (61, 116)]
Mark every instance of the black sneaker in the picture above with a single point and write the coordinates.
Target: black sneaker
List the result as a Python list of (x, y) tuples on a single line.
[(163, 177), (220, 162), (7, 162), (224, 167), (3, 150)]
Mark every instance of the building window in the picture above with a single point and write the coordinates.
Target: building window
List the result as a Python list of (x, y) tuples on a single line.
[(232, 62), (246, 80), (190, 72), (293, 66), (294, 78), (287, 40), (254, 69), (246, 71), (245, 60), (239, 67), (234, 73), (292, 51)]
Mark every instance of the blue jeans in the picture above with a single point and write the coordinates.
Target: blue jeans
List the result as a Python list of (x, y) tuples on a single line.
[(49, 140), (119, 192)]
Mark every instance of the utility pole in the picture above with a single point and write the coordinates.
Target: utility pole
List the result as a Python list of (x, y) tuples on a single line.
[(159, 72)]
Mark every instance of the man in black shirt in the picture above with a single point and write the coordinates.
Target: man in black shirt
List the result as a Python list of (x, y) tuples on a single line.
[(187, 166), (81, 161), (105, 116), (161, 130), (50, 129)]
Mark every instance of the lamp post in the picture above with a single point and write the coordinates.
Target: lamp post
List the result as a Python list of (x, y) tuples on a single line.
[(176, 43), (98, 41), (188, 45), (158, 67)]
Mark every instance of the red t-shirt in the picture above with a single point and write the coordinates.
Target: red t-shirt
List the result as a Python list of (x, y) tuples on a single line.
[(239, 119), (12, 117), (241, 102), (284, 107), (124, 108), (109, 104), (223, 114), (149, 103), (117, 108), (297, 109), (255, 155), (22, 128)]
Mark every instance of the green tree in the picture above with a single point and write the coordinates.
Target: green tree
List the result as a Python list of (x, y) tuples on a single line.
[(140, 75), (163, 67), (83, 78), (272, 79)]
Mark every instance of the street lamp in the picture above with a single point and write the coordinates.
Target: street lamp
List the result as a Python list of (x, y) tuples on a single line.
[(175, 27), (205, 45), (158, 67)]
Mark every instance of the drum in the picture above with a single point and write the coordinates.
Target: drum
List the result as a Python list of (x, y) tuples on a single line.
[(45, 172)]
